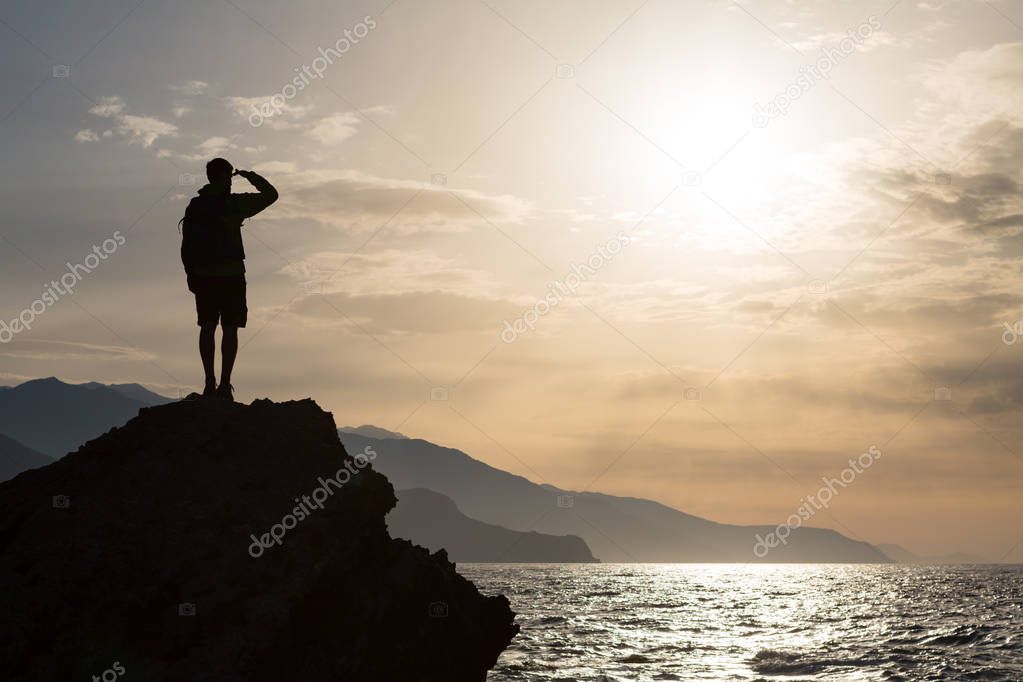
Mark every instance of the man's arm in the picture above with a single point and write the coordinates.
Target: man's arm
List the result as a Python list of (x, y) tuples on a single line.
[(250, 203)]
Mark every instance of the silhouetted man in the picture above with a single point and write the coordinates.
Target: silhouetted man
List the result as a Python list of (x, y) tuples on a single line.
[(214, 259)]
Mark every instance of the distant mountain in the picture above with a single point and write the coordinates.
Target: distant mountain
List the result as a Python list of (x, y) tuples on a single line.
[(135, 392), (15, 458), (55, 418), (898, 554), (433, 521), (371, 431), (901, 555), (615, 528)]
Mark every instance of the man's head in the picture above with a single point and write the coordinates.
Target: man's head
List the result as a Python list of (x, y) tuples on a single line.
[(218, 172)]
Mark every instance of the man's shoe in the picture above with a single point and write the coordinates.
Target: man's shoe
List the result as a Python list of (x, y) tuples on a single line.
[(210, 390), (226, 392)]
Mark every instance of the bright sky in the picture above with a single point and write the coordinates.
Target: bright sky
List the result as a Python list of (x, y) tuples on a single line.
[(804, 214)]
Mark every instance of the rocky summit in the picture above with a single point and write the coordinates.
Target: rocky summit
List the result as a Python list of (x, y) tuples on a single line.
[(209, 540)]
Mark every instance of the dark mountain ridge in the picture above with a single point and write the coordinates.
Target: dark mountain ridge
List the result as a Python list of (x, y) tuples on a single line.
[(616, 529), (15, 458), (432, 520), (54, 417)]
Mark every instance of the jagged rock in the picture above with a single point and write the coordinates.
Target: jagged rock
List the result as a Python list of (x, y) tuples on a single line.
[(138, 549)]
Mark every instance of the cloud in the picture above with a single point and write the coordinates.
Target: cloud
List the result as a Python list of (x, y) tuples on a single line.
[(419, 312), (283, 114), (214, 146), (54, 350), (992, 389), (190, 88), (877, 38), (187, 90), (757, 307), (932, 309), (275, 167), (981, 81), (86, 135), (353, 199), (956, 157), (334, 129), (389, 271), (854, 391), (143, 129), (108, 107), (398, 292)]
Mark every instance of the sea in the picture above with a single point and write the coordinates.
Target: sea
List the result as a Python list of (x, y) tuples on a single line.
[(611, 622)]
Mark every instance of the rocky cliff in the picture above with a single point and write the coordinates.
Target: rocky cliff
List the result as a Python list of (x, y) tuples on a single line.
[(207, 540)]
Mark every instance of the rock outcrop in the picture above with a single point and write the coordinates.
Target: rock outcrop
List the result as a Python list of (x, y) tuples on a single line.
[(207, 540)]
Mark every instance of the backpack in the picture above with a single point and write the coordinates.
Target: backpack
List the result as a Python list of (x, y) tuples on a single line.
[(204, 239)]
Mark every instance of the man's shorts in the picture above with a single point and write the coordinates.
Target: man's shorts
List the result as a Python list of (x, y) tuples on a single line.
[(219, 299)]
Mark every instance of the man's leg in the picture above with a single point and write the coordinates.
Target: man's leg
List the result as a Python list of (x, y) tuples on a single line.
[(228, 352), (234, 313), (207, 349)]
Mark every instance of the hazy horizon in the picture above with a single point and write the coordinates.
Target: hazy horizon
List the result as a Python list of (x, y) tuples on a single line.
[(768, 294)]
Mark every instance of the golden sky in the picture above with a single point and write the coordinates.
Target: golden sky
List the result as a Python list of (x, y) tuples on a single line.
[(751, 240)]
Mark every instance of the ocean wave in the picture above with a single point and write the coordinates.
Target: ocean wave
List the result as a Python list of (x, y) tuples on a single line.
[(795, 663)]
